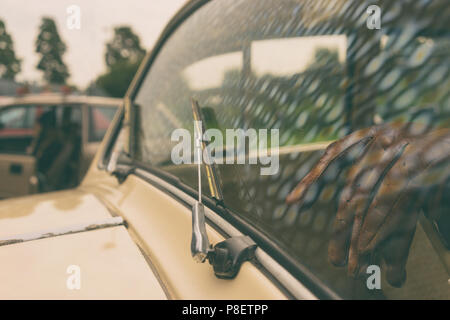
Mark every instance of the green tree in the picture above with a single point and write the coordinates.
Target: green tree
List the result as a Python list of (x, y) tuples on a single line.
[(116, 81), (124, 47), (123, 56), (9, 63), (51, 48)]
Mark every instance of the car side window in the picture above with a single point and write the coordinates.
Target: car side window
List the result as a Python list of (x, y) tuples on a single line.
[(17, 128), (17, 117), (314, 72)]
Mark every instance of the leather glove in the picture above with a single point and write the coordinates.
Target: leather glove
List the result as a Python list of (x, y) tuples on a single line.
[(396, 170)]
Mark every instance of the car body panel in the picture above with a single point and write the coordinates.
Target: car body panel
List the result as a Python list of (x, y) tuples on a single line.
[(111, 267), (49, 212), (162, 226), (16, 170)]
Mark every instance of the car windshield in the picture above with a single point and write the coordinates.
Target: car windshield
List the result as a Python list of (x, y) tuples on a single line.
[(280, 82)]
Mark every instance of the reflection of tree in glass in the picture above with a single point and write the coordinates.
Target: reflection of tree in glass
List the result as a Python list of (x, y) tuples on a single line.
[(298, 105)]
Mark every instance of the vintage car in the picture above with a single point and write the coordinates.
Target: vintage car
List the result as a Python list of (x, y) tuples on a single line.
[(350, 120), (79, 122)]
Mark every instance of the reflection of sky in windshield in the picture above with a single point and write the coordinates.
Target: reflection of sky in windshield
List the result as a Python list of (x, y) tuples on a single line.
[(209, 73), (285, 57), (276, 57)]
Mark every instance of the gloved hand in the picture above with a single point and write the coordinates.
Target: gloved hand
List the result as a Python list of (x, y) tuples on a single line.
[(396, 171)]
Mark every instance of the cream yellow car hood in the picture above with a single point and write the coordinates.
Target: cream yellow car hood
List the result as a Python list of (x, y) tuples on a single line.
[(49, 211), (44, 238)]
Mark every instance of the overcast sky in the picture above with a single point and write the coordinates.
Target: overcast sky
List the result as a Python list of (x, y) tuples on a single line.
[(85, 47)]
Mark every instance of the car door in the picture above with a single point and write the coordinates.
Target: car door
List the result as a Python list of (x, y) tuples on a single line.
[(17, 167), (319, 77)]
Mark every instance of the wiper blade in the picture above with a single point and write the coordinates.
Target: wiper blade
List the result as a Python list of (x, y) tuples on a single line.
[(211, 170)]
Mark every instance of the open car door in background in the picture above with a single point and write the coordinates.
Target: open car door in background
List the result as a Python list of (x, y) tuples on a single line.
[(16, 134), (16, 172)]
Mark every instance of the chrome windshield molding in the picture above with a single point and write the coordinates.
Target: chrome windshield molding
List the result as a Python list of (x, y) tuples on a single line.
[(110, 139), (127, 125), (296, 288), (289, 282), (88, 226), (183, 13)]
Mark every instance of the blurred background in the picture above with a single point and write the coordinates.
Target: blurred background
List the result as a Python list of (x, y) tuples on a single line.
[(88, 47), (64, 67)]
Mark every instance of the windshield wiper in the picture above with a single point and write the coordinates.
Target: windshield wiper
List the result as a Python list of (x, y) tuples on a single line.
[(211, 170), (227, 256)]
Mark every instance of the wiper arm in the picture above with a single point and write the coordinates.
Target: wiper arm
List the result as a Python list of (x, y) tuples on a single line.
[(211, 170), (227, 256)]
